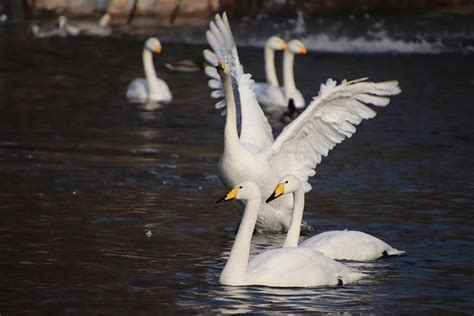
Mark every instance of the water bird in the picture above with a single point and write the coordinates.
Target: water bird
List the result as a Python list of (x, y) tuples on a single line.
[(250, 151), (150, 88), (282, 267), (100, 28), (336, 244), (61, 28)]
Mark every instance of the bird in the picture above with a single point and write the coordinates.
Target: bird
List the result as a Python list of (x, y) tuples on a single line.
[(250, 151), (291, 92), (270, 93), (100, 28), (62, 28), (151, 88), (336, 244), (281, 267)]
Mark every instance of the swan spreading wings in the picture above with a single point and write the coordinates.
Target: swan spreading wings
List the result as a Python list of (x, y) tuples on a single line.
[(250, 151)]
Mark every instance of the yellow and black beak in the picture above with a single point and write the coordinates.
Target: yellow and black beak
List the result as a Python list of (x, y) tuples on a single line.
[(229, 196), (303, 50), (221, 65), (158, 49), (283, 45), (279, 190)]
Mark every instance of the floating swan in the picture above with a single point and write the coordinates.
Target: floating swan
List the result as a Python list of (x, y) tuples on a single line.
[(102, 28), (336, 244), (152, 88), (270, 93), (291, 92), (251, 153), (283, 267), (61, 28)]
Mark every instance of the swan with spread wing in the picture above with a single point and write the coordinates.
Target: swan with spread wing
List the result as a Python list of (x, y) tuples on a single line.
[(250, 151)]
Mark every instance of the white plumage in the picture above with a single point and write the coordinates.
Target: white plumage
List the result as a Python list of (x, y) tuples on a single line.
[(336, 244), (251, 153), (150, 88), (283, 267)]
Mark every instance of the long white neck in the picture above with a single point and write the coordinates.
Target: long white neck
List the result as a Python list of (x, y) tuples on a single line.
[(236, 267), (270, 70), (150, 73), (293, 234), (231, 135), (288, 77)]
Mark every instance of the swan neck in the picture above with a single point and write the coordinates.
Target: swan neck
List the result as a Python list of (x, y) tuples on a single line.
[(231, 136), (150, 73), (288, 77), (293, 235), (236, 267), (270, 71)]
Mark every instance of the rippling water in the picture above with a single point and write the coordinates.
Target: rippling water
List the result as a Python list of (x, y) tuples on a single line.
[(86, 175)]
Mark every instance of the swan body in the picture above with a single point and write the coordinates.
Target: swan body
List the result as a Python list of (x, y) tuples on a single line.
[(61, 28), (102, 28), (270, 93), (336, 244), (151, 88), (283, 267), (250, 151)]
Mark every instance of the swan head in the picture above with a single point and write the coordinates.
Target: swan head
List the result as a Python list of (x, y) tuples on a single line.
[(223, 67), (276, 43), (104, 20), (153, 45), (297, 47), (247, 190), (62, 20), (288, 184)]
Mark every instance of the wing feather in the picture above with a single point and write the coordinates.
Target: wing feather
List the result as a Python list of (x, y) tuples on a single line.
[(330, 118)]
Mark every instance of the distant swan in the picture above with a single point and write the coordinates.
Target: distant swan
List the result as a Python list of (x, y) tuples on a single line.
[(336, 244), (282, 267), (291, 92), (270, 93), (61, 28), (152, 88), (102, 28)]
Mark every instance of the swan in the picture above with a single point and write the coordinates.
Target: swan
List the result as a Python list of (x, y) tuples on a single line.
[(250, 151), (102, 28), (336, 244), (282, 267), (61, 28), (270, 93), (152, 88), (291, 92)]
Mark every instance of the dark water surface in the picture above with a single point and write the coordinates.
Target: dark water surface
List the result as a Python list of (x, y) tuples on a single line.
[(85, 175)]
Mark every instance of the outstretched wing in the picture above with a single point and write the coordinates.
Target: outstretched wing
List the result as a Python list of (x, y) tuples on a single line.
[(254, 127), (329, 119)]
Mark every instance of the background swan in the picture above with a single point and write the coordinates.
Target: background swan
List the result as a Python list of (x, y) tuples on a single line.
[(283, 267), (100, 28), (61, 28), (336, 244), (270, 93), (251, 153), (151, 88), (291, 92)]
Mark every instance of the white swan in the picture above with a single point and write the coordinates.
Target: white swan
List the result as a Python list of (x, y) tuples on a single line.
[(270, 93), (152, 88), (283, 267), (100, 28), (251, 153), (61, 28), (291, 92), (336, 244)]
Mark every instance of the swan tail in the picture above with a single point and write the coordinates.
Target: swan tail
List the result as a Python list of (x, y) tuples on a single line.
[(395, 252)]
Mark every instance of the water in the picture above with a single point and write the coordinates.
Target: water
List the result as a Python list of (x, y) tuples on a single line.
[(86, 175)]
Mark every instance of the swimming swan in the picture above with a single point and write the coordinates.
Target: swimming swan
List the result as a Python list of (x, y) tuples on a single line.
[(61, 28), (291, 92), (152, 88), (336, 244), (251, 153), (100, 28), (282, 267), (270, 93)]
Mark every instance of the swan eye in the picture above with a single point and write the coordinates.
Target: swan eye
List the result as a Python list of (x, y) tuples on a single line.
[(286, 181), (240, 187)]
